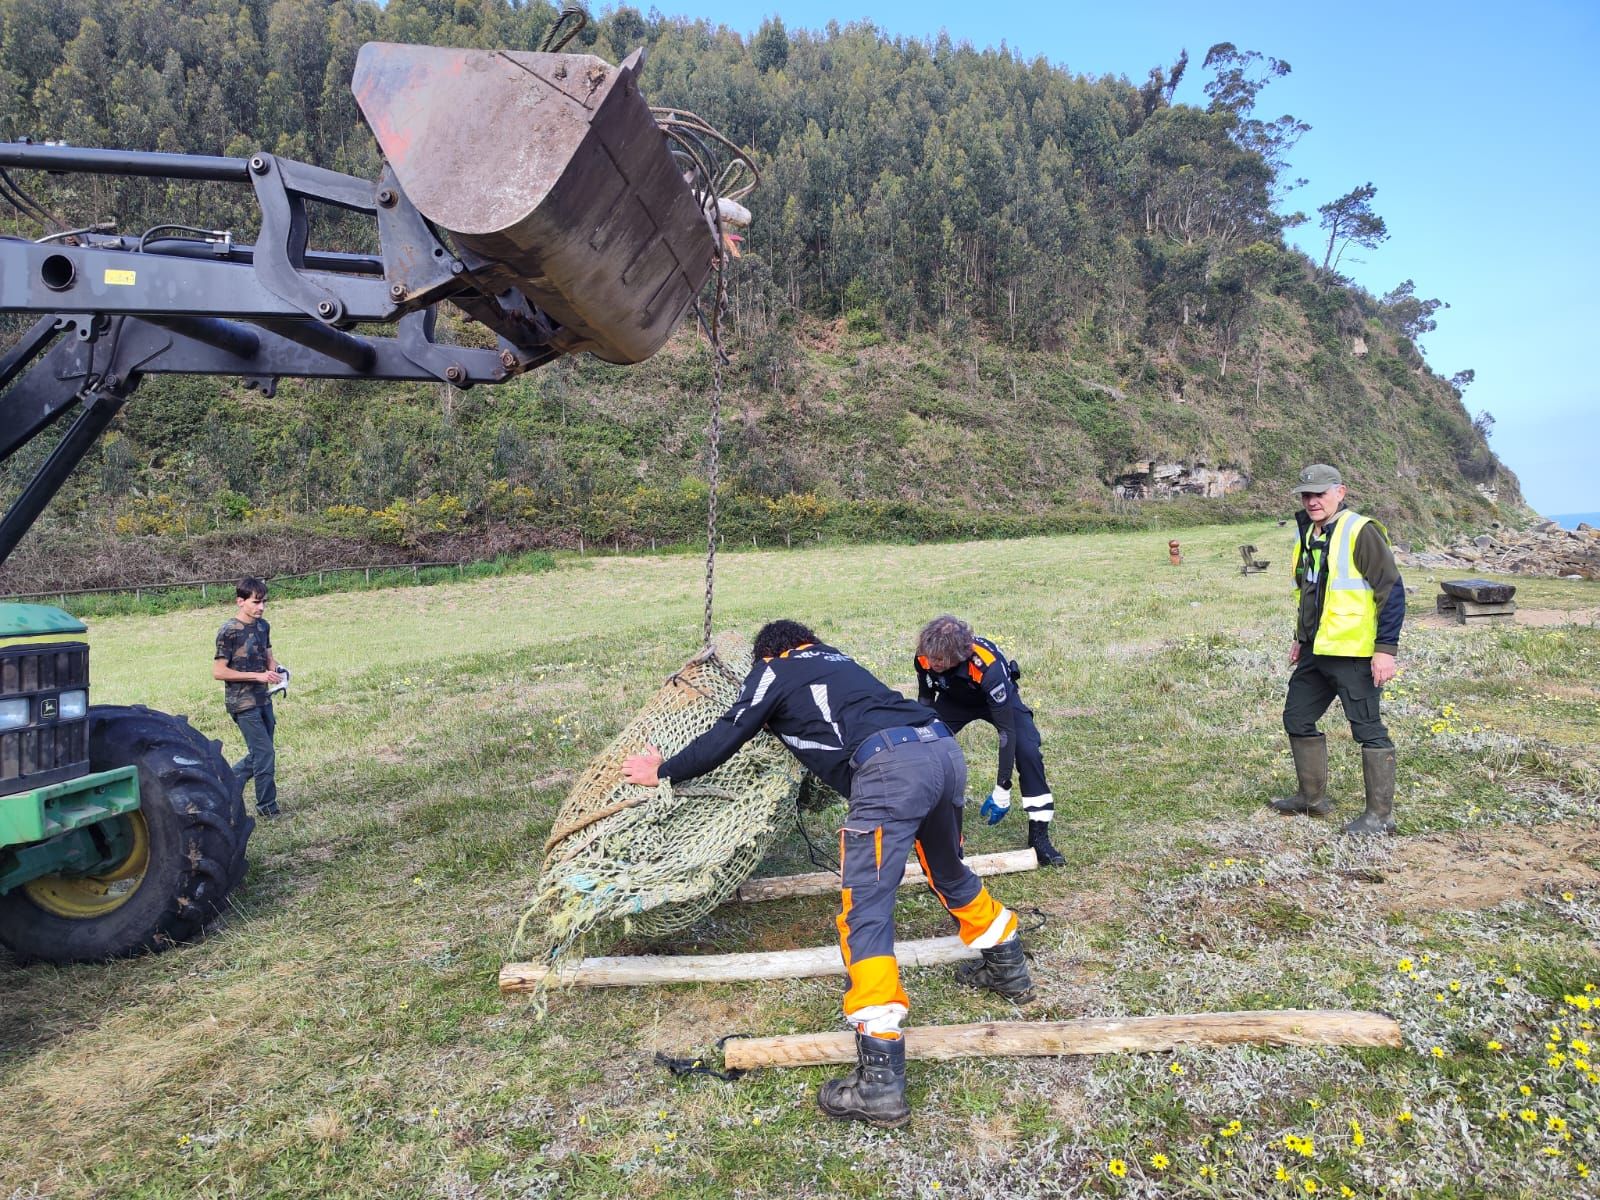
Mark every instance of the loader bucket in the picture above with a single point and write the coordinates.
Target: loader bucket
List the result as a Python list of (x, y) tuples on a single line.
[(551, 167)]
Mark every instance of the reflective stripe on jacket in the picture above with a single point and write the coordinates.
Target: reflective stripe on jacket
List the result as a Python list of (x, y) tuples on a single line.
[(1349, 624)]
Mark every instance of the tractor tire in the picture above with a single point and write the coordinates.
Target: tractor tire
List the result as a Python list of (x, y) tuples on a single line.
[(210, 750), (189, 835)]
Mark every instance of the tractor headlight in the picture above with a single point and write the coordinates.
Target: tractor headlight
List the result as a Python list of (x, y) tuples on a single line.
[(74, 705), (13, 713)]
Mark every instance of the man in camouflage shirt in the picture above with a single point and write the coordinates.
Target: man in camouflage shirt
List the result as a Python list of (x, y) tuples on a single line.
[(245, 665)]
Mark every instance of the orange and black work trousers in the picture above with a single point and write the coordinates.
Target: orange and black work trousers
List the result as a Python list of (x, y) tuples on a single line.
[(904, 799)]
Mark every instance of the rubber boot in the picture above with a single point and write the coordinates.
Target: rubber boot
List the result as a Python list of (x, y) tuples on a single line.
[(875, 1092), (1004, 971), (1377, 772), (1039, 843), (1311, 771)]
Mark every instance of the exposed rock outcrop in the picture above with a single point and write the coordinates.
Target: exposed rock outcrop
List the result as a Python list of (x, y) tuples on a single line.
[(1546, 549), (1150, 480)]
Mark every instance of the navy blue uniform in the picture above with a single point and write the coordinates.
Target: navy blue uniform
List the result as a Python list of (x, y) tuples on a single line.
[(904, 775), (984, 688)]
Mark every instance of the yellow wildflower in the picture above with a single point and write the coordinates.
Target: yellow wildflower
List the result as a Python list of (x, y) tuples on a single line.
[(1525, 1090), (1528, 1115), (1578, 1045), (1231, 1128), (1309, 1184), (1160, 1162), (1556, 1061), (1582, 1169), (1117, 1167), (1437, 1052), (1403, 1116), (1551, 1151), (1176, 1068), (1282, 1174), (1455, 985), (1494, 1045), (1357, 1138), (1404, 964), (1207, 1171), (1554, 1123)]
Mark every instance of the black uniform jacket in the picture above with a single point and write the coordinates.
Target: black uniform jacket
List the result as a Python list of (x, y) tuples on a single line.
[(821, 702), (984, 687)]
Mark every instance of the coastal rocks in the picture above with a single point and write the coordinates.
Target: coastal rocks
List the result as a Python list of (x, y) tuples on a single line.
[(1546, 549), (1152, 480)]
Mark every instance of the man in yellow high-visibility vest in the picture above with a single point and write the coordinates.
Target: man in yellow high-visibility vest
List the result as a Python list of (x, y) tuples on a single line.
[(1351, 603)]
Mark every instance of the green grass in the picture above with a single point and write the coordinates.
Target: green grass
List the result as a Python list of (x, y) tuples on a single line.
[(340, 1034)]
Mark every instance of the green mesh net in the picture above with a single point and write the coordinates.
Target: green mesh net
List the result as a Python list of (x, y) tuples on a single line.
[(623, 859)]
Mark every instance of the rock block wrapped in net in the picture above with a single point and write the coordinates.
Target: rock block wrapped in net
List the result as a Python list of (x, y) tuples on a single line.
[(650, 861)]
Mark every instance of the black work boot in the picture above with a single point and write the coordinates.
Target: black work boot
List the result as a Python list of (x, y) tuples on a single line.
[(269, 810), (1039, 843), (1311, 771), (1004, 970), (875, 1092), (1377, 772)]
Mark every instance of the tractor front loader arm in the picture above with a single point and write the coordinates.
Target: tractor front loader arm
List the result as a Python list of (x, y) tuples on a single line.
[(551, 207)]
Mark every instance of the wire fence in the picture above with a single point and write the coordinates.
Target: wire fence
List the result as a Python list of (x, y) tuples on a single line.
[(138, 591)]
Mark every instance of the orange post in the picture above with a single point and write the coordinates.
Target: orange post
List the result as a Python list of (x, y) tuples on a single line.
[(1174, 554)]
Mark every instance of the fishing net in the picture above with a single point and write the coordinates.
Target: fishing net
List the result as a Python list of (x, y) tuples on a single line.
[(623, 859)]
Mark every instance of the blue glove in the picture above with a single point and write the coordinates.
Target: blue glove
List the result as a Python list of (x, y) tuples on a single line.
[(996, 805)]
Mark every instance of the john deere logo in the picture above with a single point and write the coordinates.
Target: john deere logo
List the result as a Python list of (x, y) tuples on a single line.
[(47, 708)]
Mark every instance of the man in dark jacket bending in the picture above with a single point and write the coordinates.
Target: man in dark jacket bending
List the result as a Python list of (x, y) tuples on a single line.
[(904, 774), (965, 678)]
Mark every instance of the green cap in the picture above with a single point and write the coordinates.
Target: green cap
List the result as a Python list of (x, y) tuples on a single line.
[(1318, 477)]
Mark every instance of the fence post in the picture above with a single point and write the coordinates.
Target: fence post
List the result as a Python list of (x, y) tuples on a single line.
[(413, 572)]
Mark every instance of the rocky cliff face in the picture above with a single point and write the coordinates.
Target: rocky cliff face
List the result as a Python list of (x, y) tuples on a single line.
[(1152, 480)]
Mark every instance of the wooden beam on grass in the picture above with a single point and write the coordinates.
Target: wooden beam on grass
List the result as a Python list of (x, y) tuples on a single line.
[(636, 970), (820, 883), (1089, 1035)]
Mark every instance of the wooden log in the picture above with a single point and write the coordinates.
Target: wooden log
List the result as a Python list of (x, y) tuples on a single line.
[(1089, 1035), (819, 883), (1479, 590), (1487, 619), (646, 969), (1471, 608)]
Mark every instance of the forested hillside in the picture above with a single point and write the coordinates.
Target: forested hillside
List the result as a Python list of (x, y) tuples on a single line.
[(982, 294)]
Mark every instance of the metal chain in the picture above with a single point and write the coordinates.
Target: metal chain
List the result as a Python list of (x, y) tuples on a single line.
[(715, 460)]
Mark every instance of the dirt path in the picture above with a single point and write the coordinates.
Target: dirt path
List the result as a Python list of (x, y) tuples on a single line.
[(1482, 868), (1537, 617)]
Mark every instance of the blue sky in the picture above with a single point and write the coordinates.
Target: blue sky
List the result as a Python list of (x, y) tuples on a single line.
[(1477, 123)]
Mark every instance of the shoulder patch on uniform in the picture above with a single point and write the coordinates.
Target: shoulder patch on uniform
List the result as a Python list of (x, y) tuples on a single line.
[(998, 693)]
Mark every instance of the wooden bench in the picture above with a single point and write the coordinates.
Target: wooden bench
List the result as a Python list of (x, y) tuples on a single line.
[(1477, 601)]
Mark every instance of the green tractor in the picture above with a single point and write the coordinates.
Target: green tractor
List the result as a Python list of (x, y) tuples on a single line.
[(122, 829), (537, 193)]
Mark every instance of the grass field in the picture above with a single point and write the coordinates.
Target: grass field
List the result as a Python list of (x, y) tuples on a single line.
[(341, 1035)]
